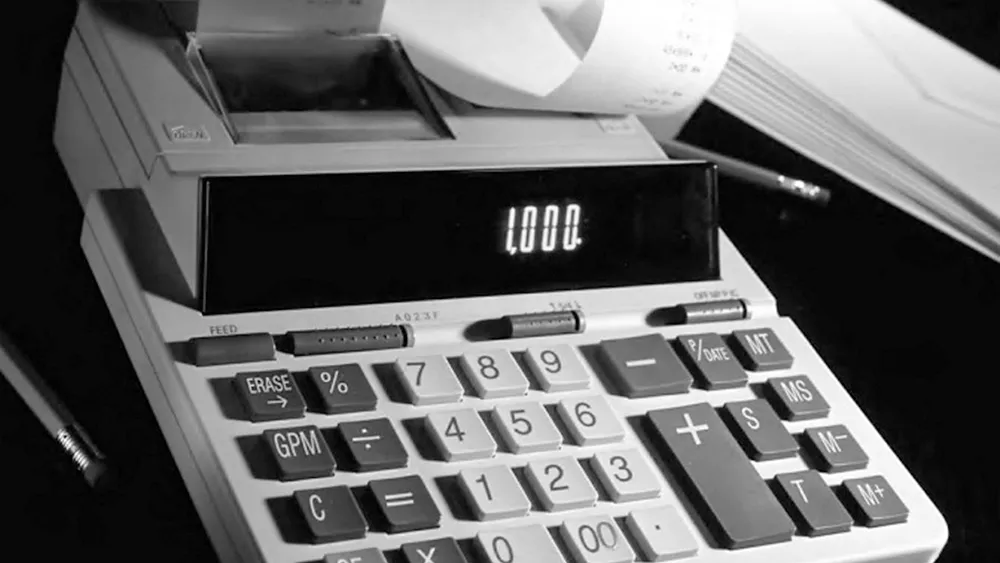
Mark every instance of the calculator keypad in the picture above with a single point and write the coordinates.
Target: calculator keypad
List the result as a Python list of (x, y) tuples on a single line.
[(513, 442)]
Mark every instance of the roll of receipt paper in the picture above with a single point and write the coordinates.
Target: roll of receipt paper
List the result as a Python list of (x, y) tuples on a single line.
[(645, 57)]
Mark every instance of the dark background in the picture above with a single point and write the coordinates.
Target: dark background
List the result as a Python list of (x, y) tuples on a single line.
[(906, 318)]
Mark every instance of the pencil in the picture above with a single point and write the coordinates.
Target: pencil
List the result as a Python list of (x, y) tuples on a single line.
[(748, 172), (53, 415)]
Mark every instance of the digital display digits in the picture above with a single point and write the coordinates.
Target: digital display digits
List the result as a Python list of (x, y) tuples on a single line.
[(532, 229), (342, 239)]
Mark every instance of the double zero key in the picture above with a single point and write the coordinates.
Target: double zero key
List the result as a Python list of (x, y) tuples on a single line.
[(739, 508)]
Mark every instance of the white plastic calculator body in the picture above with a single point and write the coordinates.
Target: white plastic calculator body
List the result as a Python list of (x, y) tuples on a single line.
[(534, 508)]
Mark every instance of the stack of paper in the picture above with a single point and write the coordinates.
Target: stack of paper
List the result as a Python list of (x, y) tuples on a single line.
[(876, 97)]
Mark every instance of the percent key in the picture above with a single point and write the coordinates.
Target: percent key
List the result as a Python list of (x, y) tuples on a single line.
[(343, 388)]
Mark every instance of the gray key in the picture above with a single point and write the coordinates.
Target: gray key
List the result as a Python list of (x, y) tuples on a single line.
[(645, 366), (796, 398), (625, 475), (735, 502), (493, 492), (596, 539), (429, 380), (591, 421), (561, 484), (494, 373), (558, 368), (526, 428), (461, 435), (441, 550), (661, 534), (757, 428), (760, 349), (713, 362), (300, 452), (835, 449), (873, 501), (366, 555), (521, 544), (812, 503)]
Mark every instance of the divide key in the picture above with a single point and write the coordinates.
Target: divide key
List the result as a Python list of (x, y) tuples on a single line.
[(738, 507)]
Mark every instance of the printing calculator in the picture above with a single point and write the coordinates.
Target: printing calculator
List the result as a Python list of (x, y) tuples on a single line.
[(524, 340)]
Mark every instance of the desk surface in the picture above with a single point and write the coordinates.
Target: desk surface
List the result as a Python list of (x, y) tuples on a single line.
[(902, 314)]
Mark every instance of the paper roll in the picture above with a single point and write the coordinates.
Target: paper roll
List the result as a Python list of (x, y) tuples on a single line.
[(645, 57)]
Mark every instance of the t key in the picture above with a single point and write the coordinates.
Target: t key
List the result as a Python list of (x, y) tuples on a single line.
[(737, 505)]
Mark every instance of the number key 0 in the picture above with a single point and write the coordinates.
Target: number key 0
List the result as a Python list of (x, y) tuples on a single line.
[(521, 544)]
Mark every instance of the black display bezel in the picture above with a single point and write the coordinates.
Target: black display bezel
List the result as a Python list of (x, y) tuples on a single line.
[(227, 283)]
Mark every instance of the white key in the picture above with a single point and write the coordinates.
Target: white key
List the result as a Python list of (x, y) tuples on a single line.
[(561, 484), (591, 421), (523, 544), (661, 534), (558, 368), (596, 539), (461, 435), (494, 373), (526, 427), (494, 493), (625, 475), (429, 380)]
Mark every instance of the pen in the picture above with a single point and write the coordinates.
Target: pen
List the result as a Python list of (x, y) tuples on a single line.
[(53, 415), (748, 172)]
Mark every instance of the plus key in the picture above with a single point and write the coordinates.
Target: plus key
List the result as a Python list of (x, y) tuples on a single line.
[(730, 495)]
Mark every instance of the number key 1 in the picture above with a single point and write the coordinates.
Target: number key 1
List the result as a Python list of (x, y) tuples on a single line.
[(494, 493), (558, 368)]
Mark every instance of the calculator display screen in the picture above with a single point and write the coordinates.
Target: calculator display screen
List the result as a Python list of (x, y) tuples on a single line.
[(280, 242)]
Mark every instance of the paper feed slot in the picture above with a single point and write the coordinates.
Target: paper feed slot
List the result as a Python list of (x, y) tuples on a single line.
[(313, 87)]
